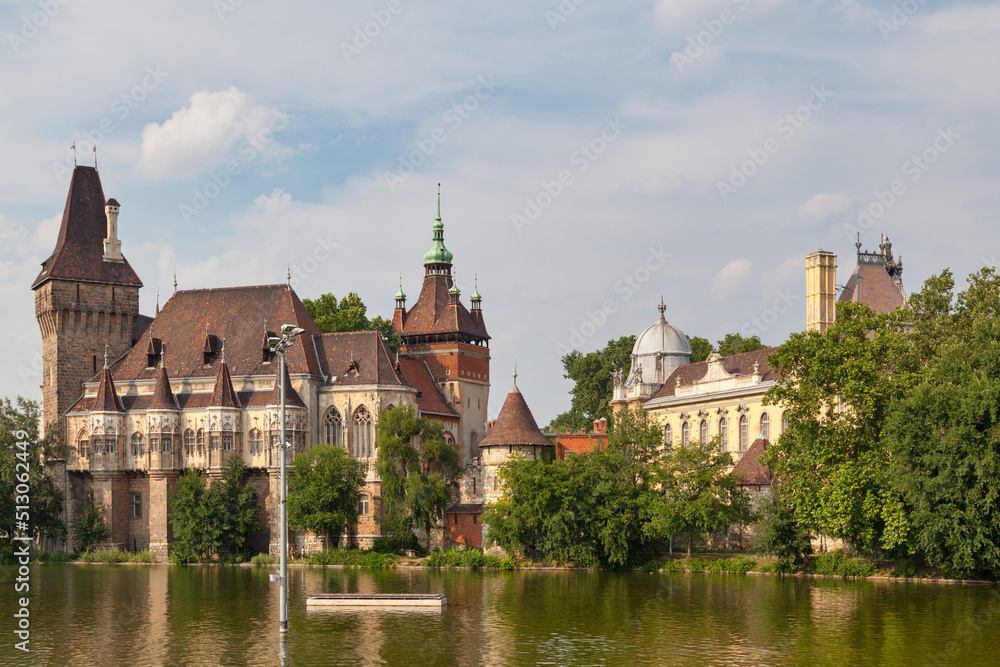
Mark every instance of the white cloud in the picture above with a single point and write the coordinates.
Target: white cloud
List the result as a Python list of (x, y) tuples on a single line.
[(824, 205), (732, 278), (213, 128), (271, 203)]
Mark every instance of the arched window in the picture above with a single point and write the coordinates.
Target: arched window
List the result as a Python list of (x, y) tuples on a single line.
[(723, 434), (227, 438), (189, 442), (109, 441), (744, 432), (83, 443), (668, 435), (686, 434), (138, 444), (200, 441), (765, 426), (334, 428), (166, 441), (256, 442), (363, 433), (704, 431), (363, 505)]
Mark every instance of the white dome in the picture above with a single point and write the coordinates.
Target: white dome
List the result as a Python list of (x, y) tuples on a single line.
[(658, 350)]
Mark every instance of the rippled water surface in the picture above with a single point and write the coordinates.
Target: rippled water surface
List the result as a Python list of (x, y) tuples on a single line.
[(159, 615)]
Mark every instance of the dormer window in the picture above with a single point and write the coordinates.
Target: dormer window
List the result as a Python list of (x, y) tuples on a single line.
[(209, 349), (152, 352)]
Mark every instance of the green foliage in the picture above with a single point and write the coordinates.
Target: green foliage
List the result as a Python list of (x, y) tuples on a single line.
[(116, 555), (350, 314), (89, 528), (262, 559), (945, 439), (209, 520), (700, 348), (44, 556), (836, 563), (592, 374), (382, 545), (734, 565), (23, 453), (473, 559), (324, 491), (415, 465), (144, 556), (672, 566), (778, 533), (693, 493), (839, 387), (353, 558), (735, 343)]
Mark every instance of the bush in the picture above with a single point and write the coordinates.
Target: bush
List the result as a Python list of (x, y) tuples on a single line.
[(144, 556), (836, 563), (778, 534), (473, 559), (382, 546), (113, 555), (352, 558), (262, 559), (44, 556), (181, 554), (672, 566)]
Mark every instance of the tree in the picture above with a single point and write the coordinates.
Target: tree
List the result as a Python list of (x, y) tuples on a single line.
[(838, 387), (735, 343), (240, 513), (945, 435), (778, 533), (416, 465), (593, 389), (23, 453), (350, 314), (700, 348), (694, 493), (88, 528), (324, 491)]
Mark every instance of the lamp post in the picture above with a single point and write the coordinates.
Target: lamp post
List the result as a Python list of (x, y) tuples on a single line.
[(289, 333)]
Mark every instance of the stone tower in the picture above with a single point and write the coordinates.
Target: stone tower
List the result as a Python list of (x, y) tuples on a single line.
[(86, 296), (821, 290), (451, 340)]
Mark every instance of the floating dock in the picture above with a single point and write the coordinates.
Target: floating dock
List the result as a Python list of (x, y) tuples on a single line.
[(428, 600)]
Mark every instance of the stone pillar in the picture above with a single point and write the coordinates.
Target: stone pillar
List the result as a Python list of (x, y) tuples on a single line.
[(161, 482), (111, 496)]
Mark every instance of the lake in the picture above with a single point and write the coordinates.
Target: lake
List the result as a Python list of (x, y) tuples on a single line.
[(215, 615)]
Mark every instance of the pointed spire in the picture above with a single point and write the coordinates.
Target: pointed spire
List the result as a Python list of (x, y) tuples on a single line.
[(439, 203), (105, 356), (157, 301), (223, 349), (438, 255), (514, 388), (291, 396), (107, 398), (400, 295), (515, 425), (163, 396), (175, 282), (662, 308), (453, 290), (475, 293), (73, 148), (288, 276), (223, 394)]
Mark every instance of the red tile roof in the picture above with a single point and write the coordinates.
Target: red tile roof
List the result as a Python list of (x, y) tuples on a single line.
[(291, 396), (433, 313), (223, 394), (872, 285), (430, 400), (515, 425), (236, 314), (79, 251), (106, 399), (749, 467), (355, 358), (734, 363), (163, 398)]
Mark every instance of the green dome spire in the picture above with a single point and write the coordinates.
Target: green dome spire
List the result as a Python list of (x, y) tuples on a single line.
[(438, 254), (454, 291), (475, 294), (400, 296)]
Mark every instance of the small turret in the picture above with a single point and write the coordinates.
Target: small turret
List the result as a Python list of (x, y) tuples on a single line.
[(112, 246)]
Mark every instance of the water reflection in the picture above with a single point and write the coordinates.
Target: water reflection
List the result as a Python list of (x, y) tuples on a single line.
[(157, 615)]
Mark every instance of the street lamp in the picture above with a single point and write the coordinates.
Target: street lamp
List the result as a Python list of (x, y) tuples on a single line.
[(289, 332)]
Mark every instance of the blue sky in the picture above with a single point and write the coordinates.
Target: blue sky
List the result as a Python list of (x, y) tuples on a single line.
[(694, 149)]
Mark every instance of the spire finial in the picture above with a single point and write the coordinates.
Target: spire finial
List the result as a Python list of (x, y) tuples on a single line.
[(662, 308), (288, 276), (515, 371), (105, 356), (439, 203), (163, 354), (858, 244), (157, 300), (223, 349), (175, 281), (73, 148), (95, 156)]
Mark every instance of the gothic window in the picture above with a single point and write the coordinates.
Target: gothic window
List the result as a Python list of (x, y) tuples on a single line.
[(83, 443), (154, 443), (668, 435), (166, 441), (213, 442), (703, 435), (109, 441), (256, 442), (363, 505), (363, 433), (227, 438), (765, 426), (136, 505), (685, 434), (724, 434), (189, 442), (744, 432), (138, 444), (334, 427), (201, 441)]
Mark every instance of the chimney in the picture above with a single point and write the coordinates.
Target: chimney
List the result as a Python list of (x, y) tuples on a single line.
[(112, 246), (821, 290)]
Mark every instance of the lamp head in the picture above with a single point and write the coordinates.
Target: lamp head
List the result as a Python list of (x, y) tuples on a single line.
[(273, 341)]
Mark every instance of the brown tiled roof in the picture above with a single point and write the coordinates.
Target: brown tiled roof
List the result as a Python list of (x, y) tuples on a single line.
[(236, 314), (430, 400), (291, 396), (872, 285), (163, 398), (139, 326), (223, 394), (515, 425), (79, 251), (750, 469), (106, 399), (355, 358), (433, 313), (734, 363)]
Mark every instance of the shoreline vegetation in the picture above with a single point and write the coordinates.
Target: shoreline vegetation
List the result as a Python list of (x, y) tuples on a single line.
[(834, 564)]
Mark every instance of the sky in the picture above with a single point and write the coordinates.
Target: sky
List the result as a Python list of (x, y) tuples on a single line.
[(593, 156)]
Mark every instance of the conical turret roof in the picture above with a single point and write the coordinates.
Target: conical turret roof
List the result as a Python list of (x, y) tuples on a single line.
[(223, 394), (107, 398), (163, 396), (292, 397), (515, 425)]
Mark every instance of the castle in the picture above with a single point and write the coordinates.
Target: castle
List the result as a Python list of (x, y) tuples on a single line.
[(144, 399)]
